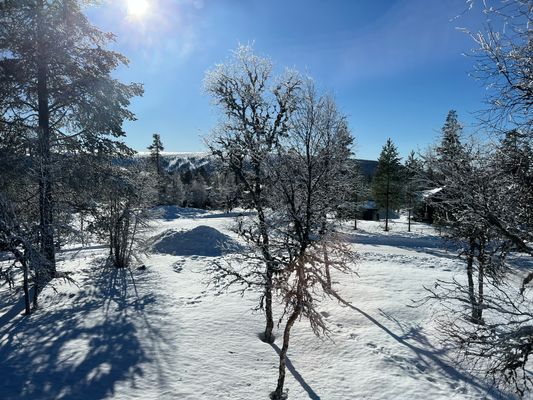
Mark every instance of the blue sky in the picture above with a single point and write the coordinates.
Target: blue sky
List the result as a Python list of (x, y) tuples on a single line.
[(395, 67)]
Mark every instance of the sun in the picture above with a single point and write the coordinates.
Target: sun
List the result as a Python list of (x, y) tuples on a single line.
[(137, 8)]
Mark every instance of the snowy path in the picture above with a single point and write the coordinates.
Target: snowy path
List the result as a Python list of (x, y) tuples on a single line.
[(163, 334)]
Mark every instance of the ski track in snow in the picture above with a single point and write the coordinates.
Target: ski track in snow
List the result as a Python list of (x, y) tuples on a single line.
[(162, 333)]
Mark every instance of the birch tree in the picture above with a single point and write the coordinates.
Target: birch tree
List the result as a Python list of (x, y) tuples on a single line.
[(256, 106), (311, 163)]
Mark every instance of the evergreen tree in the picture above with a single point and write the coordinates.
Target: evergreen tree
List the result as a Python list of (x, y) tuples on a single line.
[(450, 156), (56, 78), (413, 172), (155, 152), (387, 184), (450, 147), (163, 179), (359, 192)]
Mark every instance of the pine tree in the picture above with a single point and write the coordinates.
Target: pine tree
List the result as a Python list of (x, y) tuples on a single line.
[(56, 77), (387, 184)]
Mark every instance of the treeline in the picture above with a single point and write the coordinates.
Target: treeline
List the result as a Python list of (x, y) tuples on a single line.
[(200, 182)]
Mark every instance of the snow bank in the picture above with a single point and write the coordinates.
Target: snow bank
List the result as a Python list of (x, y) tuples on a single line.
[(200, 241)]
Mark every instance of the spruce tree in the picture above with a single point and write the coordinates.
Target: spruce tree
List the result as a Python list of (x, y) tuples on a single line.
[(163, 179), (387, 183), (155, 152), (450, 148), (413, 172)]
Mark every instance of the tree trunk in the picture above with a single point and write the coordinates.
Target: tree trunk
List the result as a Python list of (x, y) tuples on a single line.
[(355, 213), (409, 215), (470, 276), (326, 266), (45, 176), (36, 289), (278, 394), (480, 281), (25, 285), (268, 336), (387, 205)]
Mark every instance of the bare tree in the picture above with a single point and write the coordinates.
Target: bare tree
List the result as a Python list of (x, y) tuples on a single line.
[(256, 108), (121, 213), (503, 61), (309, 177), (21, 243)]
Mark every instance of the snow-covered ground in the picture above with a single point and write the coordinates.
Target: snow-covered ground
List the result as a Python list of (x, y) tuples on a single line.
[(163, 333)]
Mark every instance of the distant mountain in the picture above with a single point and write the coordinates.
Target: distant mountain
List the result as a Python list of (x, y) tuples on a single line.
[(181, 163), (176, 162)]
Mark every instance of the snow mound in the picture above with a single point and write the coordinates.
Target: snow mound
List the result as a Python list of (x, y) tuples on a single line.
[(200, 241)]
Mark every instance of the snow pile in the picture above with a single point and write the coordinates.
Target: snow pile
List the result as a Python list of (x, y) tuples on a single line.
[(174, 212), (200, 241)]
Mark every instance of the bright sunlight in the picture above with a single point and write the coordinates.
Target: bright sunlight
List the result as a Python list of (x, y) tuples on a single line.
[(137, 8)]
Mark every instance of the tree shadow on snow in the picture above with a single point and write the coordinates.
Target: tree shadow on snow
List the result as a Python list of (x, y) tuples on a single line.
[(427, 244), (297, 376), (427, 356), (80, 348)]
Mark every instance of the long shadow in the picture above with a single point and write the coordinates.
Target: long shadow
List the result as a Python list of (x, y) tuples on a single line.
[(229, 214), (15, 310), (297, 376), (427, 244), (79, 349), (433, 356)]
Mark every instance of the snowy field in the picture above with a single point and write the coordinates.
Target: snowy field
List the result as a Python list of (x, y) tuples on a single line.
[(163, 333)]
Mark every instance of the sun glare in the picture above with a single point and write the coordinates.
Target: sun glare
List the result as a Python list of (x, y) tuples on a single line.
[(137, 8)]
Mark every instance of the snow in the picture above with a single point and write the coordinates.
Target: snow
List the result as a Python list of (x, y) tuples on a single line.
[(165, 333), (200, 241), (430, 192)]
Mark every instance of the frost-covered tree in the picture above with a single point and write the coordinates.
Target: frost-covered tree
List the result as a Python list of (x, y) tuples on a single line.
[(18, 240), (358, 193), (226, 191), (387, 183), (450, 146), (465, 181), (499, 205), (256, 106), (57, 84), (503, 61), (491, 321), (310, 164), (121, 211)]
